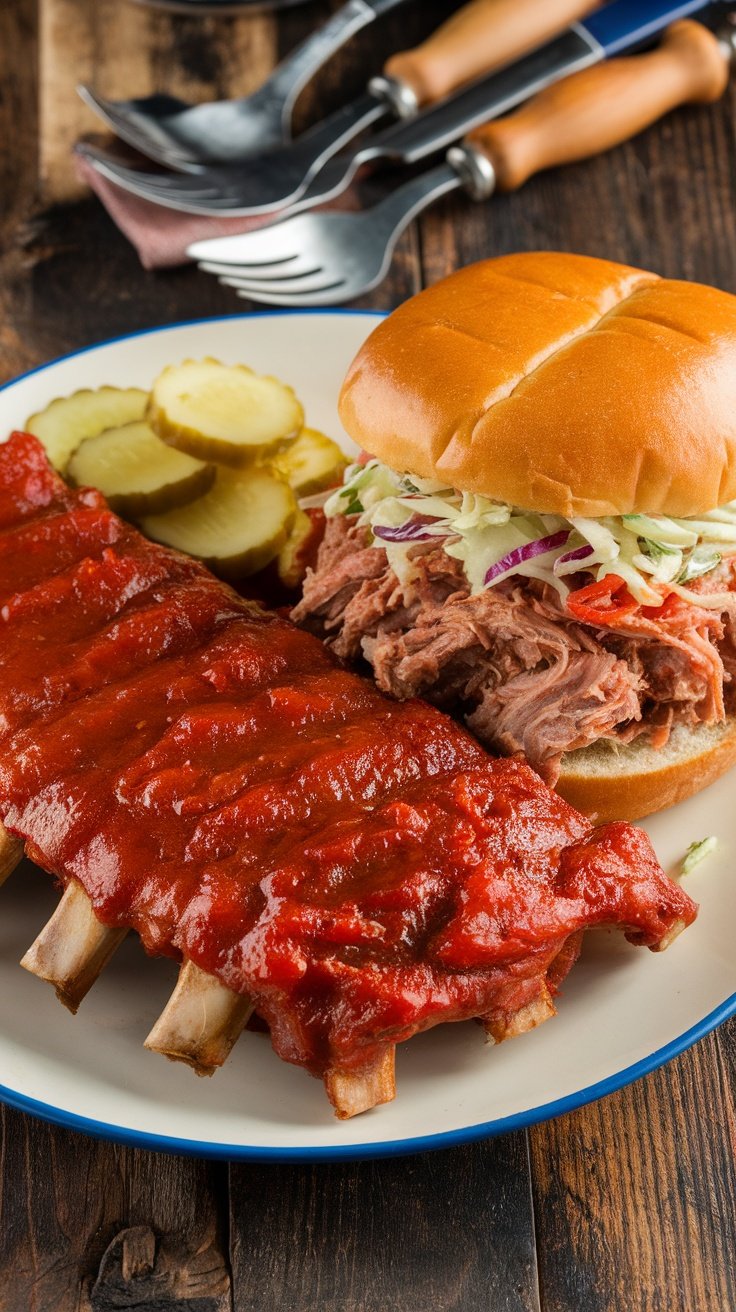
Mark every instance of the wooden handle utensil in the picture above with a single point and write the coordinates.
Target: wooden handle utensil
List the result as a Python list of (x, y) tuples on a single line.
[(482, 36), (600, 107)]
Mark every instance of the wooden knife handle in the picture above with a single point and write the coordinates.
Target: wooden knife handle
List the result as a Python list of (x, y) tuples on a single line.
[(479, 38), (592, 111)]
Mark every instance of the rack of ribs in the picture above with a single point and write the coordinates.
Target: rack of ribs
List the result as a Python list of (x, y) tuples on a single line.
[(200, 771)]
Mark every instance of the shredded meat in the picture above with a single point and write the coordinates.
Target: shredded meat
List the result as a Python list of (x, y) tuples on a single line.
[(526, 676), (556, 708)]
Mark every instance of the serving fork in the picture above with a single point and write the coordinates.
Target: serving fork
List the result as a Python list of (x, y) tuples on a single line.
[(482, 35), (324, 259)]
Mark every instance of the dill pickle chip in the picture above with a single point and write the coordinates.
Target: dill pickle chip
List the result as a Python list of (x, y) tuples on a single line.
[(291, 562), (224, 413), (311, 463), (69, 420), (137, 472), (237, 528)]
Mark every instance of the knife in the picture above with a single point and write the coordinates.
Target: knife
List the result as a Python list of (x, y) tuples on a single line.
[(621, 26)]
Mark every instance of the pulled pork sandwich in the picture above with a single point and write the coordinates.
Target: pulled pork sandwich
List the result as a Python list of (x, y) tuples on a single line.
[(542, 535)]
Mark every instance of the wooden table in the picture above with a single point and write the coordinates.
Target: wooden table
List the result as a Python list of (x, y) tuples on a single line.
[(627, 1204)]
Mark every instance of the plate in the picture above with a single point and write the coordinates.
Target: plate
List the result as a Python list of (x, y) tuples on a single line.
[(623, 1011)]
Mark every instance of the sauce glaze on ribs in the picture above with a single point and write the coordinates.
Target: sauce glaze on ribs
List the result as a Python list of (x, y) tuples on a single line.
[(356, 869)]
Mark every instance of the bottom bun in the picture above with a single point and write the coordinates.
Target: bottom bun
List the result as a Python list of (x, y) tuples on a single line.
[(612, 782)]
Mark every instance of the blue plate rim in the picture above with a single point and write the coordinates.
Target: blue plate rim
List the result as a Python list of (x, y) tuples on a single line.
[(341, 1152), (386, 1148)]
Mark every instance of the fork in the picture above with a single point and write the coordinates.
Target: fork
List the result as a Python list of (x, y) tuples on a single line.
[(277, 178), (286, 176), (324, 259), (182, 136), (482, 35)]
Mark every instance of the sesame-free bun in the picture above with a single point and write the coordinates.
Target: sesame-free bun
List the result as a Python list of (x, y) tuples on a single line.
[(608, 782), (558, 383)]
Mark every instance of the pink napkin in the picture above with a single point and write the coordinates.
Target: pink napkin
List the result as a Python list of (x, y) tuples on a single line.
[(160, 236)]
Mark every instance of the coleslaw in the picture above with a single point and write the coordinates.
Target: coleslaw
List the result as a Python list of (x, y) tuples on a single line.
[(652, 554)]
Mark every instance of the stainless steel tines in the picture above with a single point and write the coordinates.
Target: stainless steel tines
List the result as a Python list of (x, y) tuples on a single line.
[(326, 259)]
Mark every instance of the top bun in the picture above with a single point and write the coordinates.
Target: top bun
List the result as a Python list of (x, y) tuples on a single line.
[(556, 383)]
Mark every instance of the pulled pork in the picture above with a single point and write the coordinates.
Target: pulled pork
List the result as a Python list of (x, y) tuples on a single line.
[(526, 675)]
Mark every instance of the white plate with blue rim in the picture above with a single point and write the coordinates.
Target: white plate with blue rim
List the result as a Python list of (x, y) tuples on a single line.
[(622, 1011)]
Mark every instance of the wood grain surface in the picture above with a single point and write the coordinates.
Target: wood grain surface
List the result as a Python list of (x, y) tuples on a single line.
[(131, 50), (624, 1206)]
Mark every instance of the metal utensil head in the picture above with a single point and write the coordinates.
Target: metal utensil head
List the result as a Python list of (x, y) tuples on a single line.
[(325, 259), (316, 259), (257, 186), (208, 191), (176, 134), (144, 125), (418, 136)]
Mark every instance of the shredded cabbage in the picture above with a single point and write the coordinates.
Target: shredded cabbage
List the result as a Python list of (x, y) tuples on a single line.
[(698, 852), (653, 554)]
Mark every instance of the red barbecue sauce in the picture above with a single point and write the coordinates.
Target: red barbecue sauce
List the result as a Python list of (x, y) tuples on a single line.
[(215, 780)]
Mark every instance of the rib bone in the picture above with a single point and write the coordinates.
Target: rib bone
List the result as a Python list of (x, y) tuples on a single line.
[(72, 948), (669, 937), (11, 852), (352, 1092), (200, 1022), (526, 1018)]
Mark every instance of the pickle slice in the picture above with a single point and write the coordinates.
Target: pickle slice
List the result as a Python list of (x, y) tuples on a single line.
[(292, 560), (137, 472), (68, 420), (236, 528), (225, 413), (311, 463)]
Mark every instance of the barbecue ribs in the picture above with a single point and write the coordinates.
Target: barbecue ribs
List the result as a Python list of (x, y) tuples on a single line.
[(198, 770)]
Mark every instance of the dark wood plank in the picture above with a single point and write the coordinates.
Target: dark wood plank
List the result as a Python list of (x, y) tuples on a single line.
[(448, 1230), (18, 110), (666, 201), (126, 50), (725, 1040), (142, 1269), (18, 170), (65, 1197), (635, 1196)]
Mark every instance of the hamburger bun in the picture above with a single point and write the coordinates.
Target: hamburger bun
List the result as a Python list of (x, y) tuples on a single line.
[(557, 383), (612, 782)]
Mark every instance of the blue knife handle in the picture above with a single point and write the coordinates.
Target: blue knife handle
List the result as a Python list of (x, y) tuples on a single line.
[(626, 24)]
